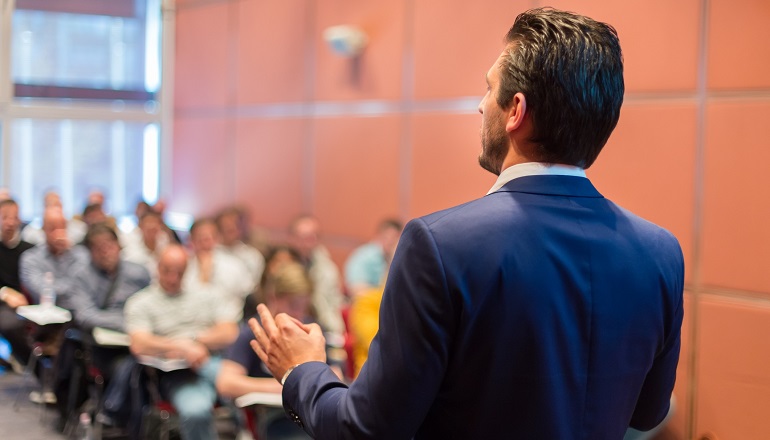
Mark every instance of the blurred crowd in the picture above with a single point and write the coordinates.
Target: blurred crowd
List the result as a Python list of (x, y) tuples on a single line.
[(183, 300)]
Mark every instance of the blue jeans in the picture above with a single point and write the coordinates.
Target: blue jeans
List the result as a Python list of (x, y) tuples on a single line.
[(193, 395)]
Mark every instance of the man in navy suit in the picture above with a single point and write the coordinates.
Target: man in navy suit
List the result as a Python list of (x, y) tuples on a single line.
[(542, 310)]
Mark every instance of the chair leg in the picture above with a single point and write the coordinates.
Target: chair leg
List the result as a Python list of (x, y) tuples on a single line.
[(164, 424), (29, 370), (252, 422), (97, 394), (72, 410)]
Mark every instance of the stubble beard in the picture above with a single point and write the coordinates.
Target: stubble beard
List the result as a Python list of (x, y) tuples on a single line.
[(494, 148)]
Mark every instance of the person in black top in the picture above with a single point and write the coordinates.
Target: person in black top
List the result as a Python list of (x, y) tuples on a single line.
[(11, 296)]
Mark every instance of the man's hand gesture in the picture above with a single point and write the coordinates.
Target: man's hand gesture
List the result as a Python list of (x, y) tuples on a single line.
[(284, 342)]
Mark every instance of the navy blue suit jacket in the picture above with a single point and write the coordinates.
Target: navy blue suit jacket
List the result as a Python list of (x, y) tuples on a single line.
[(541, 311)]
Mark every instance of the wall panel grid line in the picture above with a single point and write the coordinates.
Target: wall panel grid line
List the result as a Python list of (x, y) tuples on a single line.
[(702, 95), (459, 105), (311, 58)]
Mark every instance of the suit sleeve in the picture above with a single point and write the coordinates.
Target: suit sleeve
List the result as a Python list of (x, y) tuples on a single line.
[(407, 359), (654, 399)]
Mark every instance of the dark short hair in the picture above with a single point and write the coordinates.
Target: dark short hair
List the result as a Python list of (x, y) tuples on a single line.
[(277, 249), (99, 229), (143, 205), (152, 214), (7, 202), (391, 223), (200, 222), (94, 207), (228, 212), (570, 70)]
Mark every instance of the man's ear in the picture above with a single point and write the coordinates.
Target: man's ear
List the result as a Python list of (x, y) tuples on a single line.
[(516, 112)]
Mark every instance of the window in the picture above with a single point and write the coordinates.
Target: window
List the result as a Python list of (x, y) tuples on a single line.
[(81, 106), (77, 156)]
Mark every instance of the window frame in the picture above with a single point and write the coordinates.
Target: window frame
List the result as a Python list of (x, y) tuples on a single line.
[(13, 108)]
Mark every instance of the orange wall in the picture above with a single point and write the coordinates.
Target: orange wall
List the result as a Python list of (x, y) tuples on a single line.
[(267, 117)]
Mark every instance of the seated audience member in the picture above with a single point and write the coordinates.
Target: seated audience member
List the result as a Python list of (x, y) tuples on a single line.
[(275, 257), (212, 270), (11, 248), (144, 247), (96, 197), (56, 256), (327, 293), (160, 208), (170, 321), (33, 233), (367, 264), (231, 243), (100, 289), (94, 213), (286, 290), (141, 209), (49, 267), (135, 234), (98, 293)]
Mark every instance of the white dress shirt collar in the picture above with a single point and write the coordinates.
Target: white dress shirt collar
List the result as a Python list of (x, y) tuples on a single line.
[(535, 169)]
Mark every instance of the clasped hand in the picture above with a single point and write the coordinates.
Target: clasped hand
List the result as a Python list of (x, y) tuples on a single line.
[(284, 341), (195, 353)]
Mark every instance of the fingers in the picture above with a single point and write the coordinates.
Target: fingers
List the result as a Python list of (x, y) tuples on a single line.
[(288, 324), (314, 330), (260, 344), (174, 354), (296, 321), (283, 341), (259, 334), (267, 320), (258, 350)]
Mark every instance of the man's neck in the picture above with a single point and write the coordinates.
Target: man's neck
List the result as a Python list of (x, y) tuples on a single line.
[(109, 272), (513, 158), (11, 241), (231, 245), (204, 254), (150, 243), (56, 253), (171, 294)]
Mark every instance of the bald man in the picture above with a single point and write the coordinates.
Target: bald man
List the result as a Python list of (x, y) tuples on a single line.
[(167, 320), (56, 256), (33, 232)]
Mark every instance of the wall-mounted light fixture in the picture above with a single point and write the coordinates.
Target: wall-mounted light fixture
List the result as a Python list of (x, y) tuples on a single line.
[(345, 40)]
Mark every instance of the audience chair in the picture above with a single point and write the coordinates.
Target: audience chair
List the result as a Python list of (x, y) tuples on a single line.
[(47, 340), (154, 414), (348, 343), (86, 386)]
